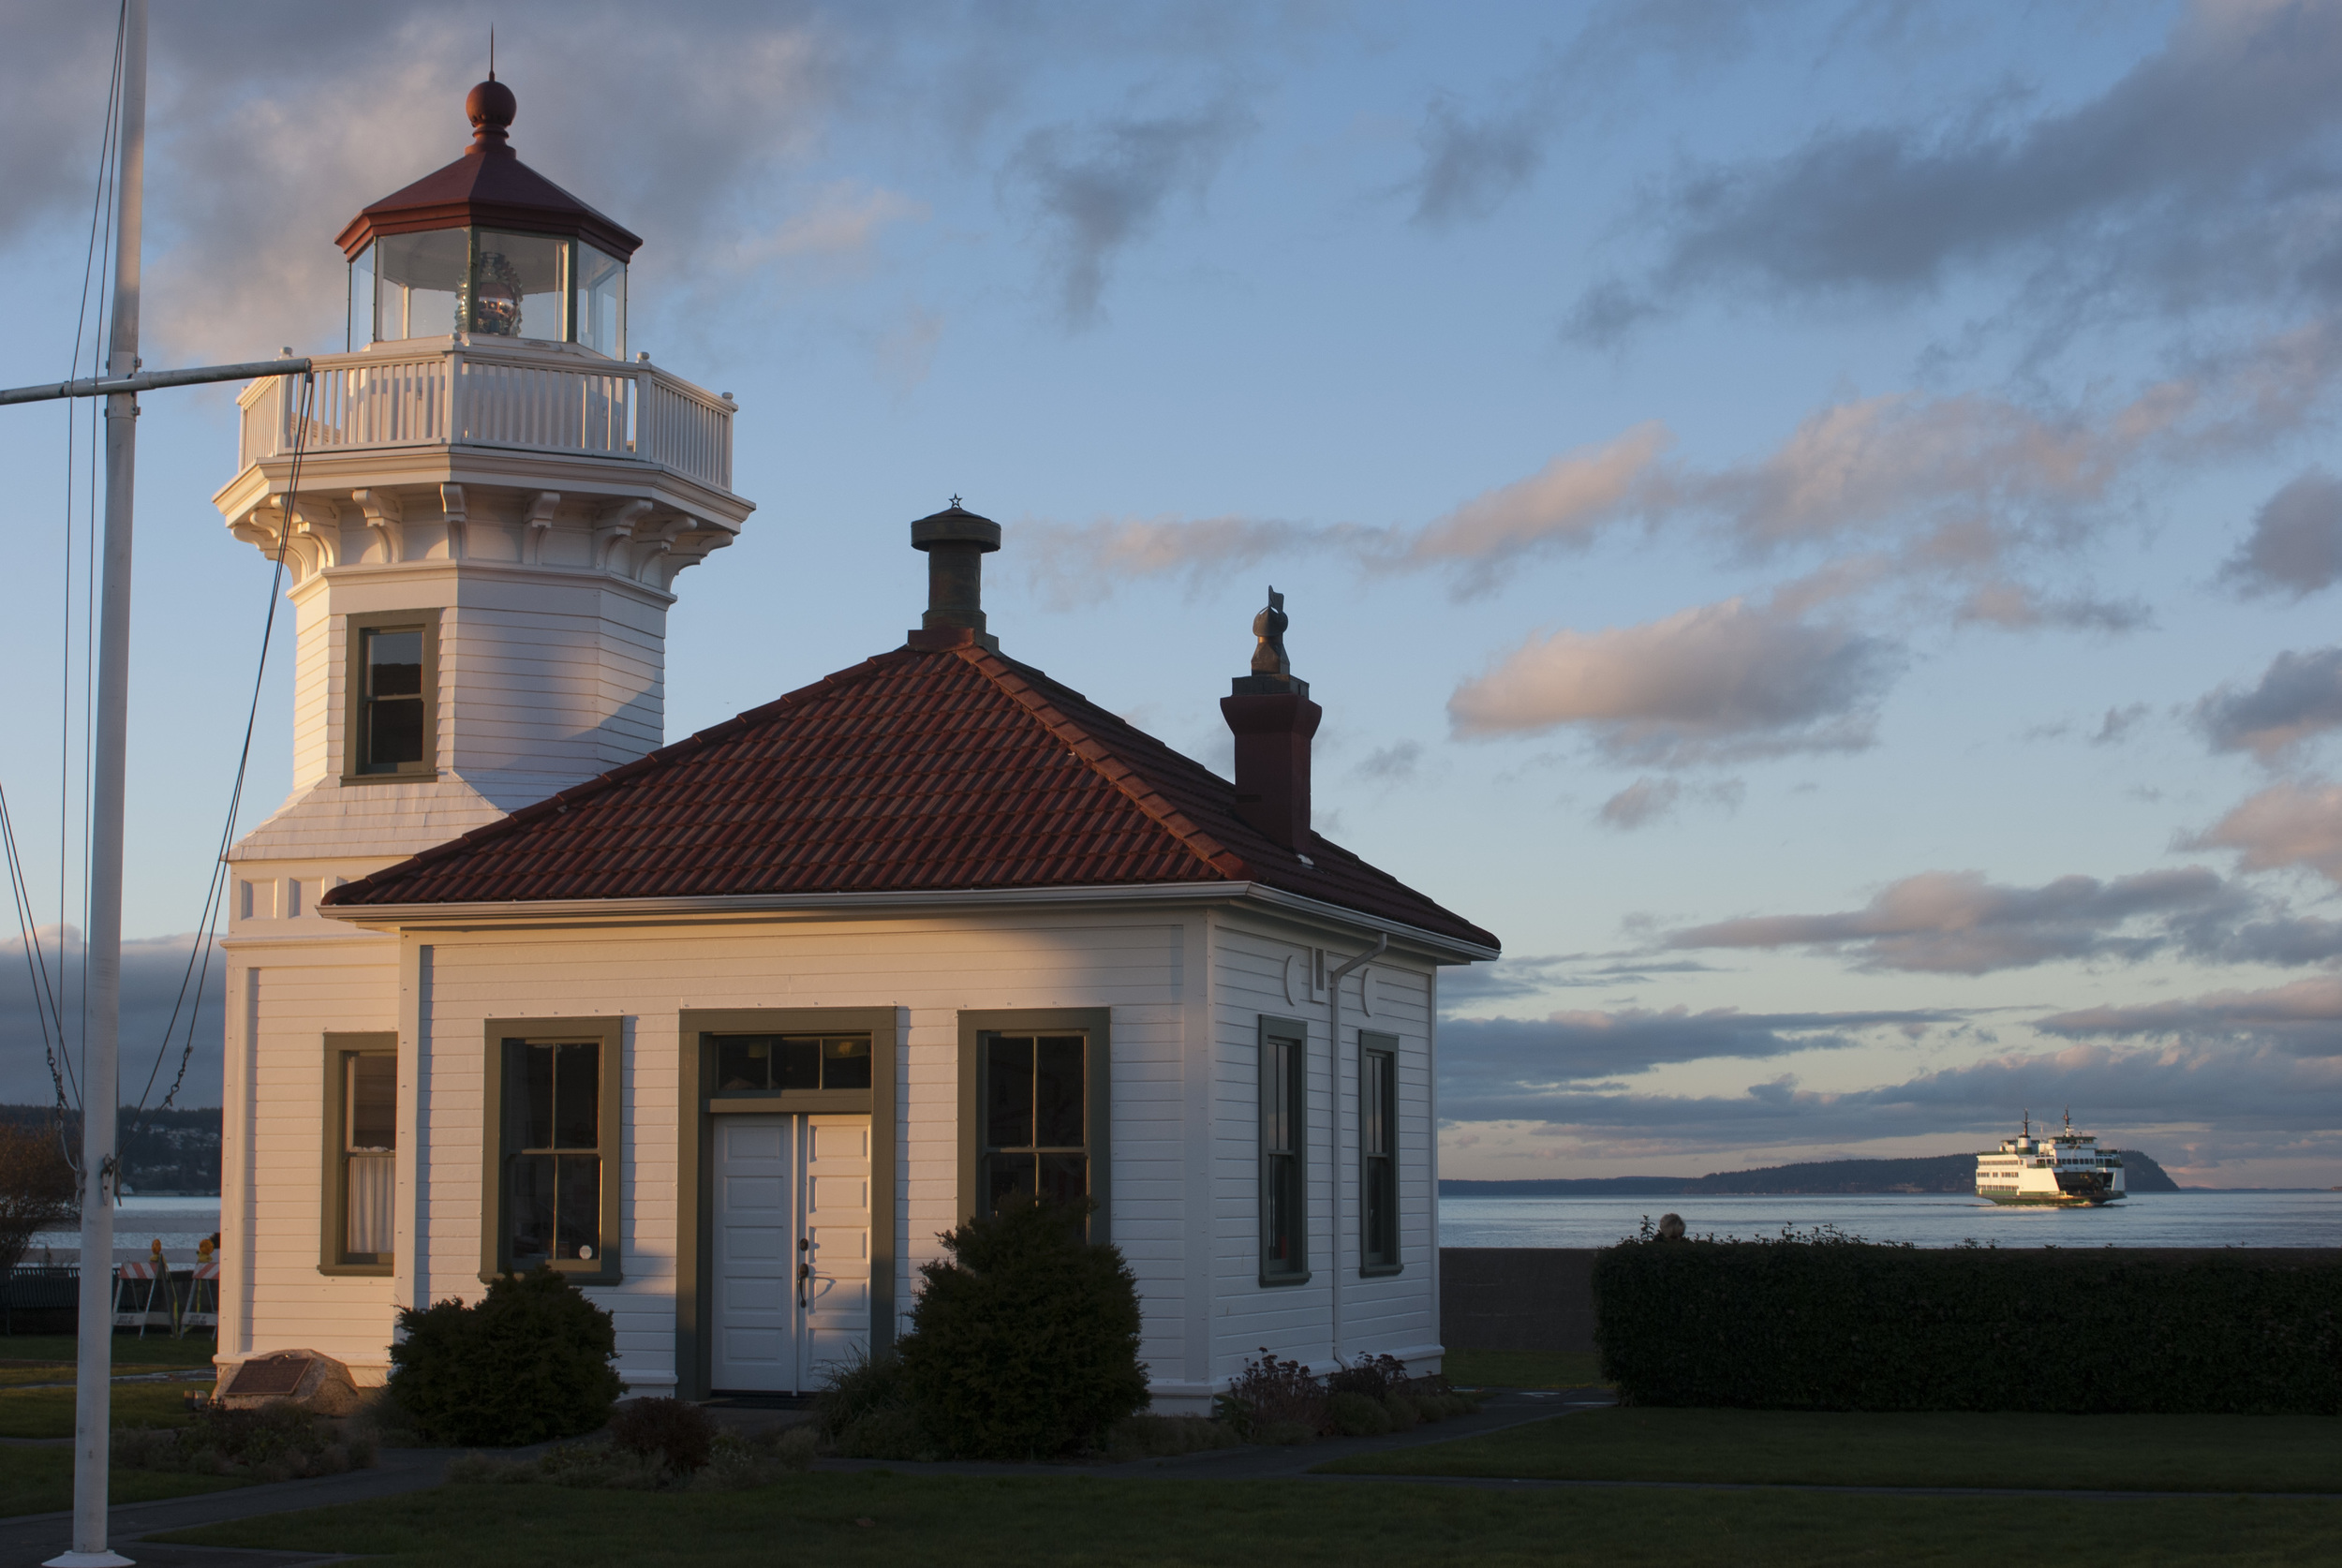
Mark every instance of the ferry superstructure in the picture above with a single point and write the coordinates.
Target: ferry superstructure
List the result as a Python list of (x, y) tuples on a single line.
[(2066, 1170)]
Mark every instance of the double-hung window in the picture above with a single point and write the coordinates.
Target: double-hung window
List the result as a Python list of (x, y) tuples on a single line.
[(1033, 1103), (391, 720), (1284, 1253), (361, 1151), (1378, 1154), (1036, 1111), (554, 1186)]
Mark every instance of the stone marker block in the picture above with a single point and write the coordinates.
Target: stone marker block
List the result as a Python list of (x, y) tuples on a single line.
[(304, 1378)]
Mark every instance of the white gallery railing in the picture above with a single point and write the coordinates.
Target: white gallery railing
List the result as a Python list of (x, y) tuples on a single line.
[(504, 396)]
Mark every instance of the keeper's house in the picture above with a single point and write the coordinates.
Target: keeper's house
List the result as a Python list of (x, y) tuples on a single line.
[(730, 1031)]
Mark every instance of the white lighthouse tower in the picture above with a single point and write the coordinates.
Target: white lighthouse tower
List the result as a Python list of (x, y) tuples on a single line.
[(494, 503)]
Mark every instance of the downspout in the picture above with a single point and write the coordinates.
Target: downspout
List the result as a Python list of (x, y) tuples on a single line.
[(1333, 1008)]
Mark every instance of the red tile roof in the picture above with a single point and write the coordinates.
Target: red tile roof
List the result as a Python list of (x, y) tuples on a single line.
[(917, 770)]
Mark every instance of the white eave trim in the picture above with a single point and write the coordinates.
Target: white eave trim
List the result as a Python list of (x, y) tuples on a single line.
[(604, 912)]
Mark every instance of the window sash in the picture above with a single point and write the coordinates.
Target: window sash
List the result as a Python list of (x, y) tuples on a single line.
[(1378, 1157), (361, 1153), (1283, 1152), (552, 1169), (1033, 1101)]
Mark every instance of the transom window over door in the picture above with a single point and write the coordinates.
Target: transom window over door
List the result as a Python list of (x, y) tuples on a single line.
[(553, 1166), (1035, 1136)]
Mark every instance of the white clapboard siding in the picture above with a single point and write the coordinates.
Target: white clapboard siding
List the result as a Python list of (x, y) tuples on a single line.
[(1186, 990), (273, 1238), (1395, 1314), (933, 969)]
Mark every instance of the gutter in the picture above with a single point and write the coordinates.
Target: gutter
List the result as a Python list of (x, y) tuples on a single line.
[(443, 916)]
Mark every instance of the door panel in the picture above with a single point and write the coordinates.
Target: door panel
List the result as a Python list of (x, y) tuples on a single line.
[(791, 1192), (754, 1254), (837, 1225)]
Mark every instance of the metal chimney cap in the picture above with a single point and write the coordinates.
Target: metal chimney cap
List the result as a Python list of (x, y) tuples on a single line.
[(956, 525)]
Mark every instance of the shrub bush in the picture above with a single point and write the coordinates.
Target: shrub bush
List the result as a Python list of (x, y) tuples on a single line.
[(678, 1435), (1835, 1324), (1025, 1339), (1376, 1377), (531, 1361), (1272, 1393), (1357, 1415), (273, 1443)]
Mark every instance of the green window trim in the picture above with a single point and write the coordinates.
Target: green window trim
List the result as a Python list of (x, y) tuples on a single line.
[(333, 1255), (977, 1030), (695, 1196), (498, 1155), (1380, 1244), (1284, 1132), (354, 766)]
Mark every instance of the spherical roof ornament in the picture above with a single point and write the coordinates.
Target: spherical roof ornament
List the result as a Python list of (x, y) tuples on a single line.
[(490, 107)]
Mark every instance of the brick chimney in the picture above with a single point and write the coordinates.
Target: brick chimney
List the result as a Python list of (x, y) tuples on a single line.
[(1274, 720), (956, 542)]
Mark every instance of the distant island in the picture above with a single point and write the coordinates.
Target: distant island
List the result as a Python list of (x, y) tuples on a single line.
[(1933, 1173)]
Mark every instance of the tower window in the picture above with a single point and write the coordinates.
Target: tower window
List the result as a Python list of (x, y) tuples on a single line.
[(394, 678)]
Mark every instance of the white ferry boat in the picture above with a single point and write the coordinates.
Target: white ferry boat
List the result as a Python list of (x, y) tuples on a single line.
[(2068, 1169)]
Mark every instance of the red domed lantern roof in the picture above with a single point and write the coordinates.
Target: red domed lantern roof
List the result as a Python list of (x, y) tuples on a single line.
[(488, 187)]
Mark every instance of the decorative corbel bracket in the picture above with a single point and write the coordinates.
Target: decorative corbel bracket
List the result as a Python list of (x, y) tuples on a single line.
[(384, 516), (616, 527), (542, 505), (316, 524), (689, 544), (458, 519)]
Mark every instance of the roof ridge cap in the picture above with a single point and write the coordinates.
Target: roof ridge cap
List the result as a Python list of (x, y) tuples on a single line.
[(1103, 761)]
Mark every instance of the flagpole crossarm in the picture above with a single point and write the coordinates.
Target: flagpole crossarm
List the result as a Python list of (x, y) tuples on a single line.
[(113, 385)]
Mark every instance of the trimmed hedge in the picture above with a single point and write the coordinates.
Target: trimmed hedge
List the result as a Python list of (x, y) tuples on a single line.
[(1801, 1324)]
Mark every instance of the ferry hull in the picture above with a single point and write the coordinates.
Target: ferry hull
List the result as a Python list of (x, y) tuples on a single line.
[(2062, 1200)]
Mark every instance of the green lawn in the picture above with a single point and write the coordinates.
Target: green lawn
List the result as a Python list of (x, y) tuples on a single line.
[(1487, 1368), (48, 1413), (2146, 1453), (883, 1520), (31, 1357), (40, 1481)]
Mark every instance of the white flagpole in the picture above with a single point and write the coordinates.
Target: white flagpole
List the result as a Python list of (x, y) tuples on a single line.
[(100, 1175)]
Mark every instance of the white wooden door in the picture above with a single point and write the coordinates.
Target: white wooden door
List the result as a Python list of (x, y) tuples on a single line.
[(791, 1238)]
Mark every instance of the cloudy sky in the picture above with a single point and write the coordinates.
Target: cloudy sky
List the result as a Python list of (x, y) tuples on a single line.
[(1813, 522)]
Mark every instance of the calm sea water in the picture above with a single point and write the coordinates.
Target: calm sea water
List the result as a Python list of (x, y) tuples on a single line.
[(1922, 1218)]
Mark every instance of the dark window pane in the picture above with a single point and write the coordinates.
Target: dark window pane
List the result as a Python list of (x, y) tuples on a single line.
[(393, 663), (800, 1062), (1008, 1093), (1008, 1180), (1276, 1096), (532, 1208), (393, 733), (577, 1095), (1058, 1091), (743, 1062), (1281, 1223), (846, 1063), (373, 1102), (1064, 1178), (579, 1234), (534, 1103), (1382, 1211)]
